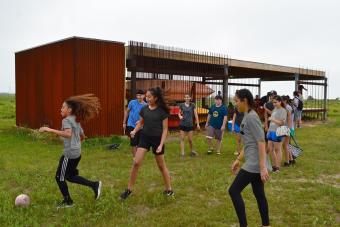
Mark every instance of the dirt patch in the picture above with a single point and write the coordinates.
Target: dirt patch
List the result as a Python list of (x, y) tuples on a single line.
[(328, 180), (214, 202), (142, 210), (152, 187), (314, 123)]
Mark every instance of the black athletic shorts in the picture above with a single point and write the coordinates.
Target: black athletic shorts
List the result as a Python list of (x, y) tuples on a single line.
[(67, 168), (135, 140), (148, 142), (186, 129)]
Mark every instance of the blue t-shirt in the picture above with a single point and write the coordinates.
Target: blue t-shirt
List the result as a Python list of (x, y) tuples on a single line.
[(217, 115), (134, 107)]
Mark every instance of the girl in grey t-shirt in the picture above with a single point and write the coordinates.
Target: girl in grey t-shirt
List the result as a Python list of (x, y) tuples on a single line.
[(186, 127), (277, 119), (254, 171), (74, 109)]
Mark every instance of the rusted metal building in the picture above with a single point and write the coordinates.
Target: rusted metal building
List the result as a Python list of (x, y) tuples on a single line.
[(48, 74)]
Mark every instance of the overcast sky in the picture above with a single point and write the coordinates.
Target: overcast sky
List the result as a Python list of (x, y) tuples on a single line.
[(301, 33)]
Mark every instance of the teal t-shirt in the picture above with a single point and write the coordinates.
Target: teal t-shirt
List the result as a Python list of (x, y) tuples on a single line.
[(217, 115)]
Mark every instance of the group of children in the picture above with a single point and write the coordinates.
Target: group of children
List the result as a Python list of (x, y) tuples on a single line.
[(146, 123), (281, 112)]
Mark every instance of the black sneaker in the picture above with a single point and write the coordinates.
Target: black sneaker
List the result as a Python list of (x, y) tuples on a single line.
[(97, 189), (276, 169), (169, 193), (193, 153), (292, 162), (66, 203), (125, 194), (286, 164)]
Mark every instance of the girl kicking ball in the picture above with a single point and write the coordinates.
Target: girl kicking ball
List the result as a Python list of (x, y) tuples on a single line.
[(74, 109), (154, 119)]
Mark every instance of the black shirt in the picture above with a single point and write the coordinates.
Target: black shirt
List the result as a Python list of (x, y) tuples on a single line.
[(239, 117), (153, 120), (269, 106)]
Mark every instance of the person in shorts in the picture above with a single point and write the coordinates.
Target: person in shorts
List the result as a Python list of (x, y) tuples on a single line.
[(132, 116), (154, 119), (215, 125), (186, 126), (277, 119)]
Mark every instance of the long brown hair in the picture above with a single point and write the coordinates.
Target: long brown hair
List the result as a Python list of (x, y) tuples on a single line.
[(158, 93), (279, 98), (84, 107), (245, 94)]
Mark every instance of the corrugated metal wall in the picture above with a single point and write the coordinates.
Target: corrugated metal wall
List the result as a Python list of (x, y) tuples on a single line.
[(43, 78), (47, 75), (101, 71)]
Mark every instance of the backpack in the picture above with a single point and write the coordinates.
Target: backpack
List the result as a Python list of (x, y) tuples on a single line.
[(300, 104)]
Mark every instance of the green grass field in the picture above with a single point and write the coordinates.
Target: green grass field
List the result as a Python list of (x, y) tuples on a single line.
[(305, 195)]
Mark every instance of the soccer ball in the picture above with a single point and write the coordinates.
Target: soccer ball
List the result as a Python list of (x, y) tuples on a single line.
[(22, 200)]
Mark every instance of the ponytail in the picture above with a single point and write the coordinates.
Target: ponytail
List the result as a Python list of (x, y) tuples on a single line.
[(243, 94)]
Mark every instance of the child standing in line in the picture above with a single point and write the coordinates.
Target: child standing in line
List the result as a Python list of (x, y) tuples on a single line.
[(74, 109), (187, 112), (277, 119), (154, 119), (132, 116), (215, 125), (290, 124)]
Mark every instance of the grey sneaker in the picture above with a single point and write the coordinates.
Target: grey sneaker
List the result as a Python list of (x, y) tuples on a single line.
[(97, 189)]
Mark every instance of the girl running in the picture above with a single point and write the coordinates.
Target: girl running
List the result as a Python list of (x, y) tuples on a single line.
[(254, 171), (154, 119), (290, 124), (74, 110), (187, 112), (277, 119)]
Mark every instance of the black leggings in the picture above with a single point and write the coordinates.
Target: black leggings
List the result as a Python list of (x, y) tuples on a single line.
[(67, 170), (242, 179)]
